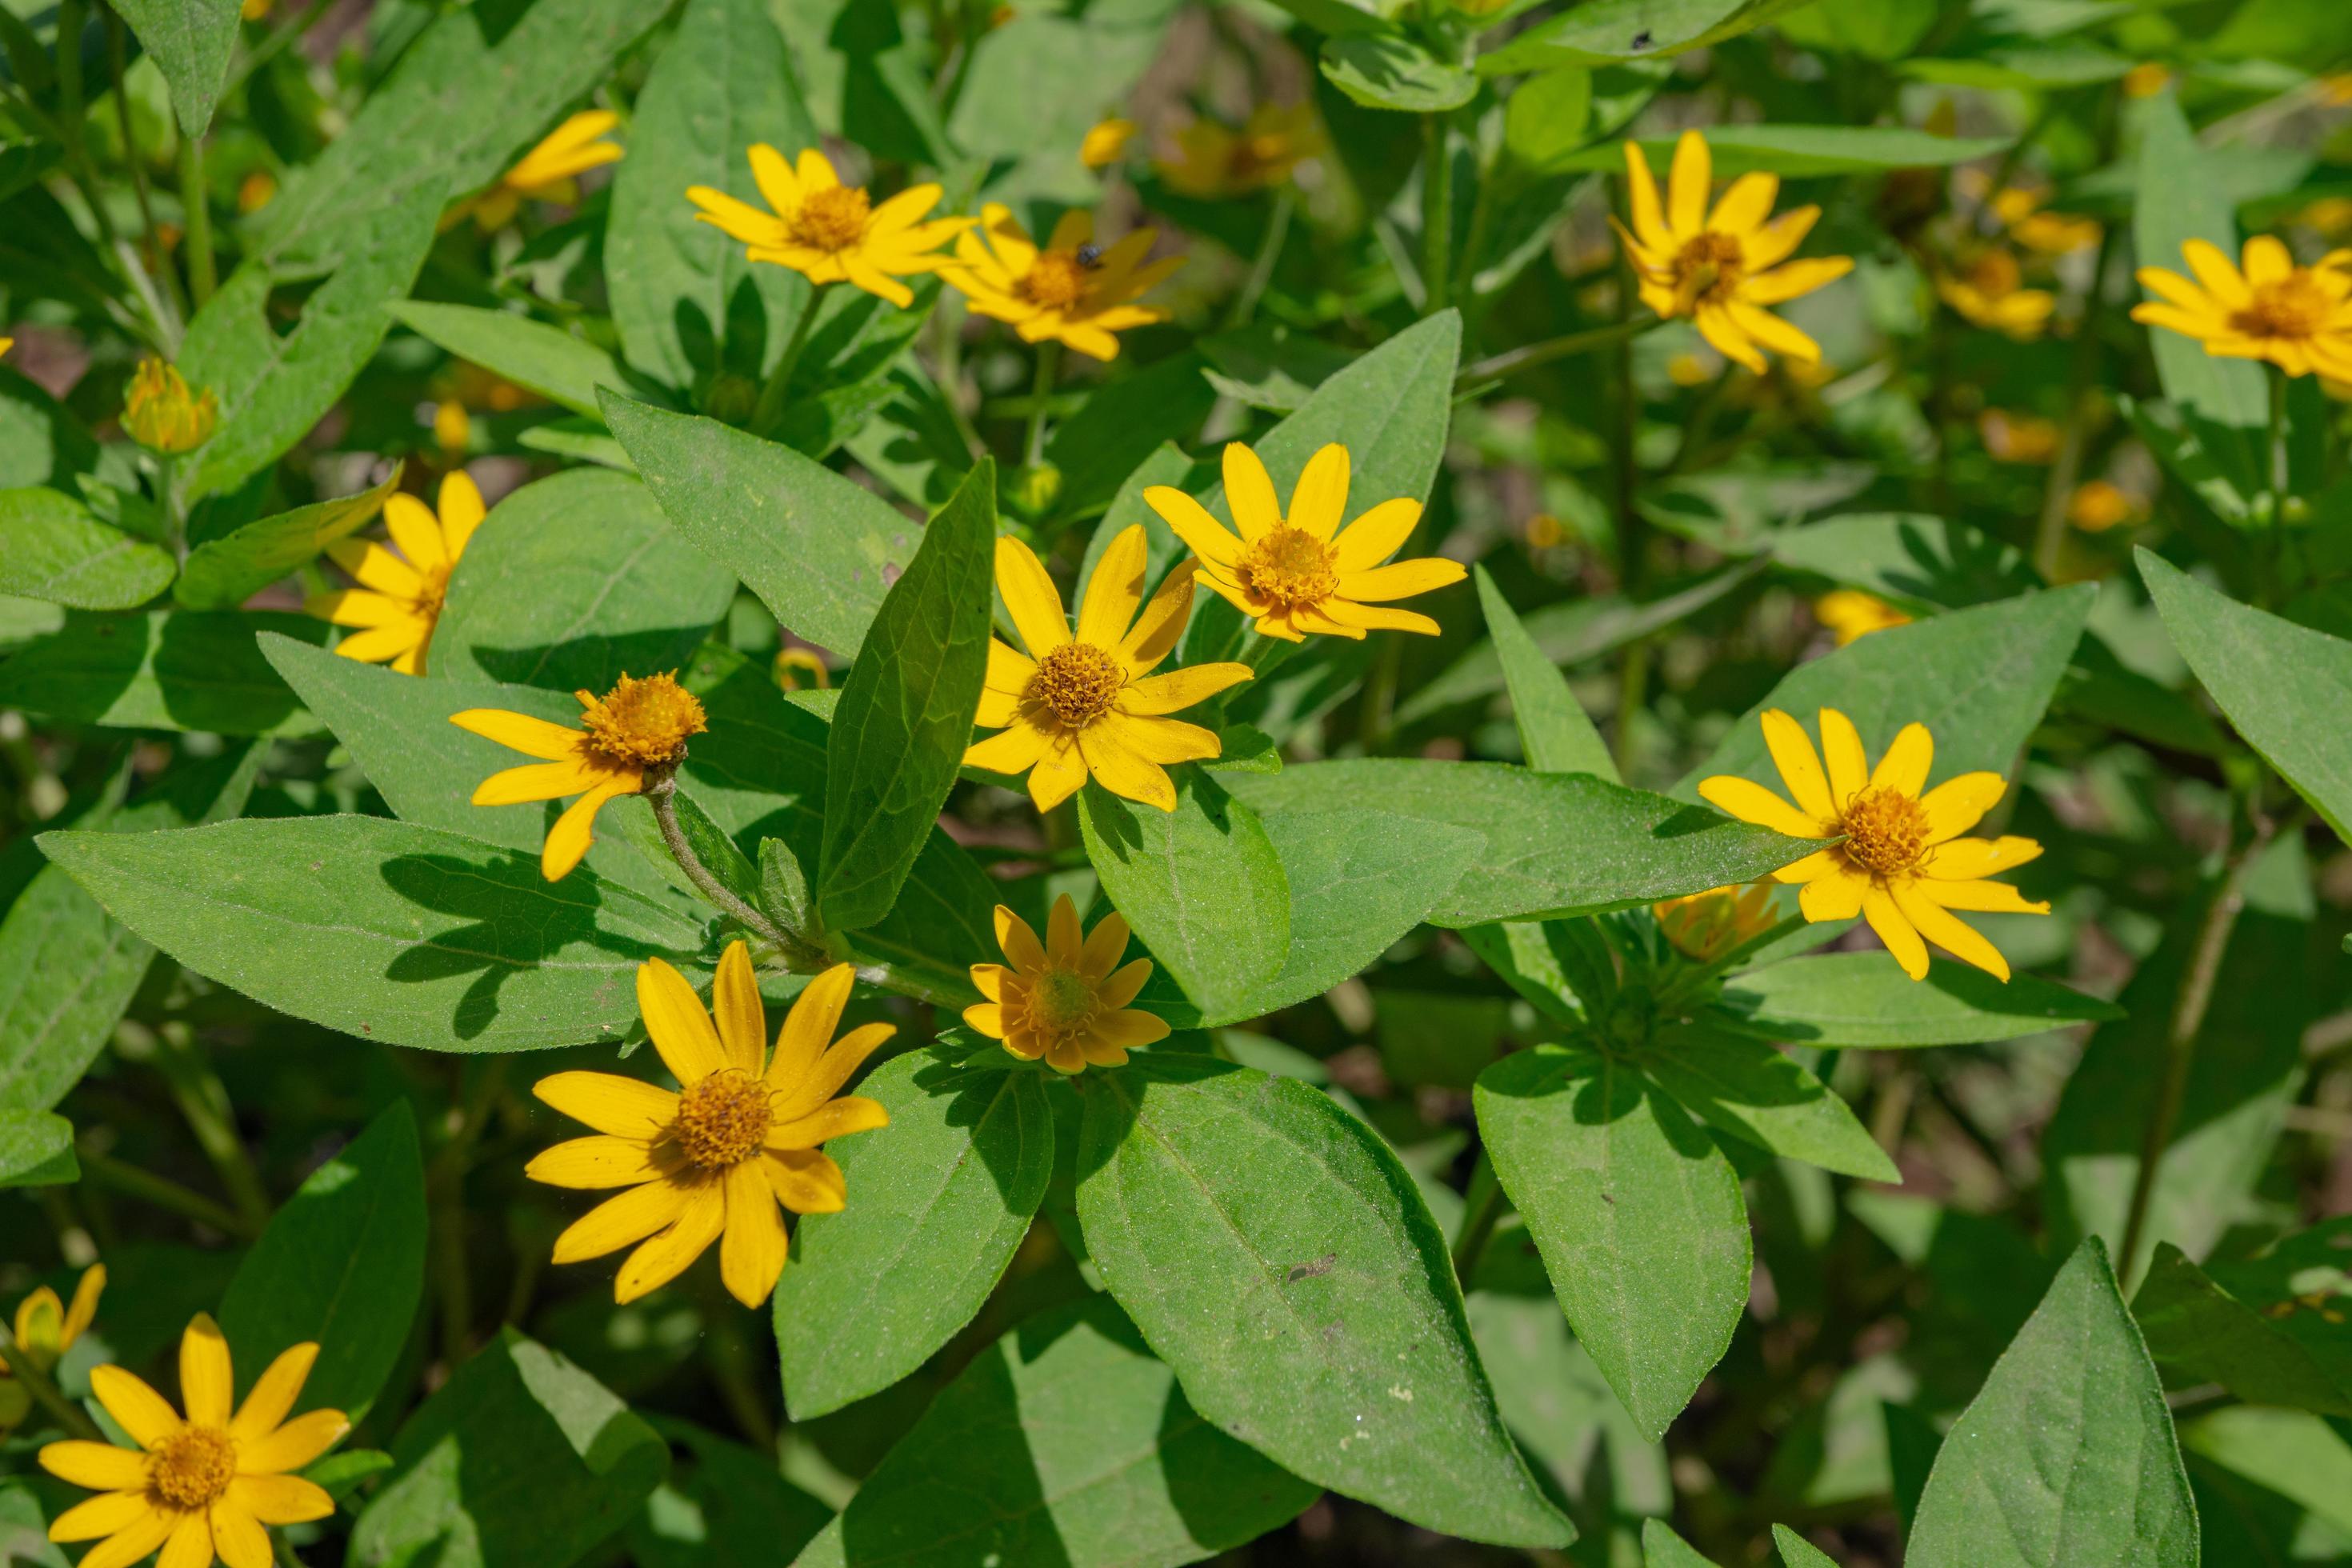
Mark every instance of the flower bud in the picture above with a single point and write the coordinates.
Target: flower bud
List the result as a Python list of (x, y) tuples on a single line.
[(163, 415)]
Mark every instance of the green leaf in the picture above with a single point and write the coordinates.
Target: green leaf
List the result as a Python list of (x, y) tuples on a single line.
[(1752, 1091), (341, 1266), (160, 670), (1861, 999), (1914, 561), (190, 41), (1623, 30), (1389, 68), (68, 971), (537, 357), (573, 581), (275, 382), (2177, 198), (2266, 1347), (41, 441), (1121, 427), (1662, 1548), (519, 1458), (1557, 1405), (1800, 152), (1094, 55), (1636, 1212), (1978, 679), (2067, 1452), (1556, 844), (1066, 1443), (1555, 732), (479, 87), (1274, 1251), (384, 929), (1874, 29), (726, 1507), (2272, 1486), (1796, 1551), (938, 1206), (1546, 118), (906, 712), (2039, 68), (2271, 678), (818, 548), (52, 549), (1201, 885), (222, 574), (37, 1149)]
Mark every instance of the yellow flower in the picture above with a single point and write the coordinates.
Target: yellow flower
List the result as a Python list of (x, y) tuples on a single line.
[(1546, 532), (2335, 91), (1902, 865), (1690, 369), (1302, 572), (2100, 505), (2147, 79), (45, 1327), (453, 429), (256, 190), (205, 1487), (7, 343), (550, 172), (2298, 318), (1722, 268), (2330, 216), (399, 599), (1214, 160), (829, 232), (162, 415), (1990, 291), (2014, 438), (1849, 613), (1067, 999), (1705, 926), (1090, 706), (253, 10), (1105, 140), (739, 1137), (1072, 291), (633, 733)]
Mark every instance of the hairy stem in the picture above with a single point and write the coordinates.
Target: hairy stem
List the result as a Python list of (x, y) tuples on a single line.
[(1436, 216), (798, 952)]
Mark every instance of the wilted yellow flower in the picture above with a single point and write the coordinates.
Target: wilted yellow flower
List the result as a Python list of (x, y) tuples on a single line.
[(1902, 865), (399, 599), (1105, 140), (636, 732), (2099, 505), (1065, 999), (2015, 437), (713, 1161), (256, 190), (1214, 160), (1705, 926), (1990, 291), (1090, 706), (1073, 291), (162, 415), (2298, 318), (202, 1488), (1850, 613), (2147, 79), (1301, 572), (832, 233), (1721, 268), (803, 660), (45, 1327), (550, 172)]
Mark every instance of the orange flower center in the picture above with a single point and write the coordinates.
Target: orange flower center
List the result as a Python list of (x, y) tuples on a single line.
[(433, 591), (1289, 566), (641, 723), (2294, 306), (1056, 281), (1886, 831), (1078, 680), (1060, 1002), (833, 218), (191, 1467), (1709, 267), (723, 1120)]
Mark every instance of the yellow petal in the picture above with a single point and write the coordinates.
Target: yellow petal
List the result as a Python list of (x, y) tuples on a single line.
[(133, 1541), (85, 1303), (667, 1256), (834, 1119), (1124, 983), (537, 780), (1746, 205), (100, 1515), (136, 1408), (359, 607), (281, 1500), (1957, 805), (779, 187), (624, 1107), (1180, 688), (1346, 616), (736, 1009), (832, 1069), (1158, 740), (2214, 270), (273, 1394), (1156, 631), (1751, 801), (602, 1161), (377, 568), (751, 1254), (569, 841), (1375, 536), (1849, 771), (1128, 1030), (1029, 597), (1063, 937), (1401, 579), (1794, 280), (1320, 497), (1878, 907), (1121, 770), (681, 1030), (1800, 765), (1813, 868), (520, 732), (1981, 897), (1641, 199), (1947, 931), (391, 640), (1014, 752), (1104, 946), (1018, 942), (1059, 772), (1838, 897), (417, 530), (1202, 534), (809, 1027), (804, 1181), (1904, 768), (1688, 186), (100, 1466), (190, 1544), (237, 1536), (1249, 494), (208, 1387), (623, 1221), (294, 1444), (1116, 590)]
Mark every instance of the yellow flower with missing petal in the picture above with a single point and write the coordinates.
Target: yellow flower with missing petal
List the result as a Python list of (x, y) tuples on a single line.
[(1072, 291), (1849, 613), (2298, 318), (163, 415), (1902, 865), (713, 1161), (550, 171), (1065, 999), (202, 1488), (832, 233), (1300, 572), (1721, 268), (1705, 926), (400, 591), (1214, 160), (634, 733), (1089, 706), (45, 1327)]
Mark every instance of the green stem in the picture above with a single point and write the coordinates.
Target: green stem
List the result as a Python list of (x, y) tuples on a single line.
[(1498, 367), (25, 1370), (770, 410), (117, 60), (133, 1181), (1436, 215), (799, 954), (203, 277), (445, 1191), (2082, 397), (1041, 392), (1632, 545), (203, 1101), (73, 20), (1269, 252)]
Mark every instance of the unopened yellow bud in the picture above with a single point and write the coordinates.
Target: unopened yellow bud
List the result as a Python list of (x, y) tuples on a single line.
[(161, 413)]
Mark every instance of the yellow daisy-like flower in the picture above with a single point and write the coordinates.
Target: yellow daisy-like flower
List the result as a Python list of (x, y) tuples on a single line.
[(2098, 505), (713, 1162), (1106, 142), (45, 1327), (2298, 318), (1300, 572), (1903, 865), (1849, 613), (633, 733), (2147, 79), (1721, 268), (1072, 291), (832, 233), (1705, 926), (163, 415), (1214, 160), (1089, 706), (1990, 291), (398, 601), (550, 171), (1065, 999), (206, 1487)]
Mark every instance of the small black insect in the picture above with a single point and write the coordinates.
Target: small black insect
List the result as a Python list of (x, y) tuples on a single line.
[(1090, 256), (1641, 41)]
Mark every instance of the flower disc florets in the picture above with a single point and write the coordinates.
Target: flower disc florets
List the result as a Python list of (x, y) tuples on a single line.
[(833, 218), (192, 1467), (1289, 566), (1056, 280), (1886, 831), (1077, 681), (723, 1120), (643, 723)]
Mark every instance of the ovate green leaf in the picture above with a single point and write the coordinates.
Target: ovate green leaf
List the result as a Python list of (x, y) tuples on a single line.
[(1866, 999), (163, 670), (1752, 1091), (2200, 1331), (52, 549), (532, 354), (190, 42), (1555, 732), (37, 1149), (222, 574)]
